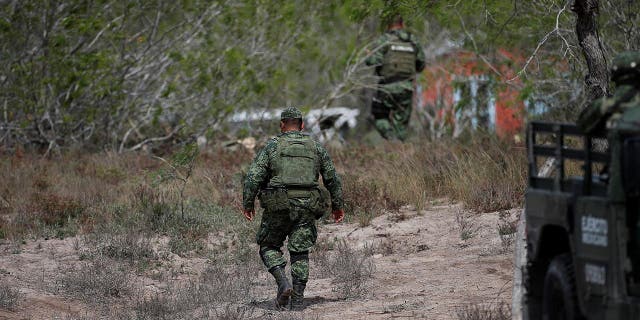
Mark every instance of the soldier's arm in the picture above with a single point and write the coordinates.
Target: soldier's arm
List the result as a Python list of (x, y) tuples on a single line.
[(593, 117), (330, 178), (420, 58), (377, 55), (256, 176)]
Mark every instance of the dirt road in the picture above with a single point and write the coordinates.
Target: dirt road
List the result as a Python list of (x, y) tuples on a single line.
[(429, 272), (428, 265)]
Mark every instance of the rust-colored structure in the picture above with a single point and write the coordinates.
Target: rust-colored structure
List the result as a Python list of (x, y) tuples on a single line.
[(464, 90)]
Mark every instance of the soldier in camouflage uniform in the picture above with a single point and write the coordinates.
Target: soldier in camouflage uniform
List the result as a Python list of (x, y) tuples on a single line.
[(397, 57), (284, 175), (619, 115)]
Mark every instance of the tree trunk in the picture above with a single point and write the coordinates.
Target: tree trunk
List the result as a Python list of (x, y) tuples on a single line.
[(597, 80)]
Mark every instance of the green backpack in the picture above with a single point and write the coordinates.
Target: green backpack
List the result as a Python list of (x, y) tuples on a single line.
[(296, 163), (399, 61), (295, 170)]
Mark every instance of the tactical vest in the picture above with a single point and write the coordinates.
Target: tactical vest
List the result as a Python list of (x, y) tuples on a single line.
[(295, 165), (399, 61), (294, 175)]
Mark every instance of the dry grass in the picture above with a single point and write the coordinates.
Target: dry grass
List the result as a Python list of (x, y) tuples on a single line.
[(132, 247), (507, 229), (115, 202), (77, 193), (108, 272), (234, 313), (379, 179), (222, 291), (487, 176), (351, 269), (495, 311), (9, 296), (97, 281), (466, 225), (320, 258), (230, 283), (483, 172), (156, 307)]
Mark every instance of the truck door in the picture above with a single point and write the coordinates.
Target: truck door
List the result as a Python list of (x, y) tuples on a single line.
[(595, 250)]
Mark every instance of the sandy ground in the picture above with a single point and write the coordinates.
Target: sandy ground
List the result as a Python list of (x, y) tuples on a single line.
[(423, 270)]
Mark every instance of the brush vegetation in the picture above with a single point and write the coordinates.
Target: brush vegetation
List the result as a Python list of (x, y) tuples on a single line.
[(129, 194), (135, 216)]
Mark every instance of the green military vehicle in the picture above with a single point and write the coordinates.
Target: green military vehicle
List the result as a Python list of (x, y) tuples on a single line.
[(574, 260)]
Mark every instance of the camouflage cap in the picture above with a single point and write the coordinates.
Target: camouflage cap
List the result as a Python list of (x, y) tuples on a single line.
[(291, 113), (626, 66)]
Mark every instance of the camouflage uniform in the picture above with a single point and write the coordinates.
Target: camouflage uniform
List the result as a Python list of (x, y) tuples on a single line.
[(298, 220), (392, 106), (619, 115)]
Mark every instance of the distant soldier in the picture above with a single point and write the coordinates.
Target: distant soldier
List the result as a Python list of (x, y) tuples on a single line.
[(284, 175), (619, 115), (397, 57)]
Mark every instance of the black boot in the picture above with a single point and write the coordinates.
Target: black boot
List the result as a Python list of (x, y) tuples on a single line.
[(284, 287), (297, 299)]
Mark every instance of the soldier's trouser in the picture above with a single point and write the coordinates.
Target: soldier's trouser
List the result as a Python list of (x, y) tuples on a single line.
[(391, 110), (299, 226)]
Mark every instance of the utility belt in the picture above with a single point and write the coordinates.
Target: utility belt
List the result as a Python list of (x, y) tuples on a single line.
[(274, 199)]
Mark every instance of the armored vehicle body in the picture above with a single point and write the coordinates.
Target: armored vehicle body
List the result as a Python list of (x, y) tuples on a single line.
[(580, 256)]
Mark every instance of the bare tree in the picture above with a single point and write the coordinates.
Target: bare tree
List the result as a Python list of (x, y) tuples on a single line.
[(597, 80)]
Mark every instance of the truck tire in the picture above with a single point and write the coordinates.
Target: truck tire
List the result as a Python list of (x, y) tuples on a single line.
[(559, 299), (519, 307)]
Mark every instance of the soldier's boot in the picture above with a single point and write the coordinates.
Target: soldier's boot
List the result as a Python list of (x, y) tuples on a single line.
[(297, 299), (284, 287)]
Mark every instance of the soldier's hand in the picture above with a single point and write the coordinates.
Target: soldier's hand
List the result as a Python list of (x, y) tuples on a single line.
[(249, 214), (338, 215)]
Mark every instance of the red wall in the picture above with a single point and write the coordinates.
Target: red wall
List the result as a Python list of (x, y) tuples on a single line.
[(438, 86)]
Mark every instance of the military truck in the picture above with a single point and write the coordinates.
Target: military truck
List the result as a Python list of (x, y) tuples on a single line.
[(574, 261)]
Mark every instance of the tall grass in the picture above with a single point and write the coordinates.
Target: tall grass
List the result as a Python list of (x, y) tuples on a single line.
[(77, 193), (483, 172), (133, 224), (487, 175)]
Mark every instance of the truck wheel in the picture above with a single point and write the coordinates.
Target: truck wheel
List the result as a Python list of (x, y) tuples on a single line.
[(559, 300)]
